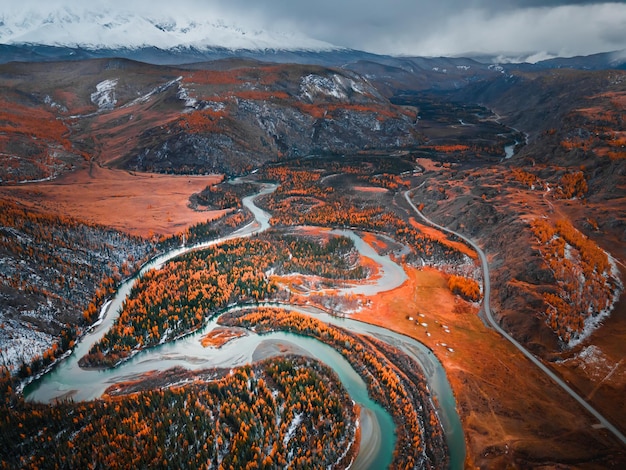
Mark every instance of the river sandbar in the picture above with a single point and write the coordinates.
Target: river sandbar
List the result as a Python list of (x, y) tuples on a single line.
[(371, 438)]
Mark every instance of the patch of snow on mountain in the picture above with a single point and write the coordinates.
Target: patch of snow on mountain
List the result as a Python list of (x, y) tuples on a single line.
[(154, 91), (593, 322), (183, 95), (362, 87), (315, 85), (497, 68), (194, 104), (48, 100), (104, 96), (335, 86)]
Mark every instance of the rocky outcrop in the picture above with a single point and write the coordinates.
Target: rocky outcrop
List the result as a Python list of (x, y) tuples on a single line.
[(310, 111)]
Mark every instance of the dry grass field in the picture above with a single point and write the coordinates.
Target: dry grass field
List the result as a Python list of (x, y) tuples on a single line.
[(137, 203)]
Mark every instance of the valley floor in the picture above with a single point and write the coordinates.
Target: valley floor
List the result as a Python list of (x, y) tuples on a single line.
[(512, 415)]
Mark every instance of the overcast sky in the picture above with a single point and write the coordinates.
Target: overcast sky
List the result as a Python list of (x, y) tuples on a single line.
[(411, 27)]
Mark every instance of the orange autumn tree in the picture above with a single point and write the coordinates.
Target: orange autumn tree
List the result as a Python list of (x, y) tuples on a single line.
[(465, 287)]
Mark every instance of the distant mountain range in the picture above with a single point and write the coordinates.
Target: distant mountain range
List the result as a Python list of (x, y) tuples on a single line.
[(332, 57), (65, 33)]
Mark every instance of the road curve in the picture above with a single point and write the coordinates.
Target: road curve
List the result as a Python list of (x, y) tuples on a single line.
[(488, 314)]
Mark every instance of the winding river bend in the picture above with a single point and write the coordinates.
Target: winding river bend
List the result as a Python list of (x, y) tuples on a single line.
[(68, 380)]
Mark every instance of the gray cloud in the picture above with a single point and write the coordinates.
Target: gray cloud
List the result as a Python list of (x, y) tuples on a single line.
[(414, 27), (419, 27)]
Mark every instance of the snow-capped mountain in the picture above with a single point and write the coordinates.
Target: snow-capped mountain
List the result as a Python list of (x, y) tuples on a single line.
[(108, 29)]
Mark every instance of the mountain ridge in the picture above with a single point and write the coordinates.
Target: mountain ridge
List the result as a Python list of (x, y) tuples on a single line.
[(338, 57)]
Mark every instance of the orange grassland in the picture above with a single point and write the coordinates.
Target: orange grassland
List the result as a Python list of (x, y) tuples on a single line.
[(513, 416), (137, 203)]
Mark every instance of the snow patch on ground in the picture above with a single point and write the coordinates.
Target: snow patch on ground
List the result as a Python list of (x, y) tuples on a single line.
[(593, 322), (49, 101), (183, 95), (594, 362), (194, 104), (104, 96), (20, 343), (497, 68), (295, 422), (592, 357)]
